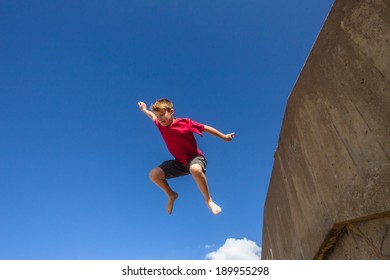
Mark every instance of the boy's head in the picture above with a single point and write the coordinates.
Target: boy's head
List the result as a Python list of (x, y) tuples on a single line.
[(163, 109), (162, 105)]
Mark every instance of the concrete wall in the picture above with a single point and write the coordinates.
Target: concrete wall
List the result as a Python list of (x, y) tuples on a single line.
[(329, 192)]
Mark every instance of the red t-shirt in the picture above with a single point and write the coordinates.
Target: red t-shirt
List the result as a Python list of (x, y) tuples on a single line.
[(180, 140)]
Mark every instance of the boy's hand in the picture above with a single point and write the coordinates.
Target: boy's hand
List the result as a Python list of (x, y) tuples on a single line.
[(229, 137), (142, 106)]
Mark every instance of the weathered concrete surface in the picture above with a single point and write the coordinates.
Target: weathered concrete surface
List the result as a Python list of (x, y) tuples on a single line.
[(369, 239), (332, 163)]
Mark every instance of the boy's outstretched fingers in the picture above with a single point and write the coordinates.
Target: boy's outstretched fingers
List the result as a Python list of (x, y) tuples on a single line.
[(141, 105), (230, 136)]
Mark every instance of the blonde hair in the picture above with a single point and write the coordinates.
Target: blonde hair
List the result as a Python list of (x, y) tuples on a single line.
[(162, 105)]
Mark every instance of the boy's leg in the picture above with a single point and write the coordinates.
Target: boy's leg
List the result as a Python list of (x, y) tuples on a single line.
[(157, 176), (197, 173)]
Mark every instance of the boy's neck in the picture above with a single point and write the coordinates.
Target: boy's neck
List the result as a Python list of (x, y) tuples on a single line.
[(173, 120)]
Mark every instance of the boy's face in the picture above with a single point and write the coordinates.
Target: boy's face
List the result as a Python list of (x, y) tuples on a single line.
[(164, 117)]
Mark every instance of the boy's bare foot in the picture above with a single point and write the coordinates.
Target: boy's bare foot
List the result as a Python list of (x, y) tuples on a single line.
[(171, 201), (214, 207)]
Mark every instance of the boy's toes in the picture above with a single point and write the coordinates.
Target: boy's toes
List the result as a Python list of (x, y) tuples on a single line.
[(171, 201), (215, 209)]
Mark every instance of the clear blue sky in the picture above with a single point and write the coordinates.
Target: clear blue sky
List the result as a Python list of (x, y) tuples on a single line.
[(75, 150)]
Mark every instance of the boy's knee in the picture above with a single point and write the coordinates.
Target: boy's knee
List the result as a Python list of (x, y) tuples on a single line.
[(196, 170), (156, 174)]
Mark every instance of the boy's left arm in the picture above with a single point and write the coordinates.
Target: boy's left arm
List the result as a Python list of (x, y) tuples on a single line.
[(217, 133)]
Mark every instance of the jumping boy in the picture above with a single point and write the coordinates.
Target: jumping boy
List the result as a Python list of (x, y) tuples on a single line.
[(179, 138)]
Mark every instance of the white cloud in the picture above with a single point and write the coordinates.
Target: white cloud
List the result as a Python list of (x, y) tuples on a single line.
[(236, 249)]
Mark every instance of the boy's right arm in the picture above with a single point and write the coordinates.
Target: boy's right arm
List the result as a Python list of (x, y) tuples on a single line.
[(142, 107)]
